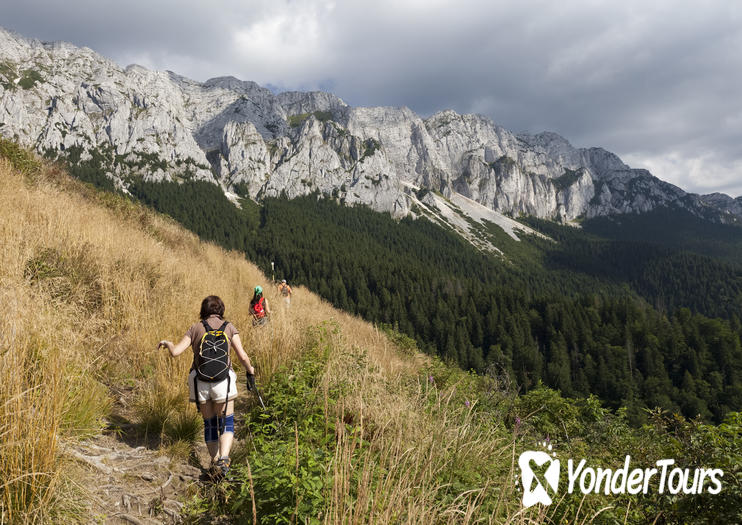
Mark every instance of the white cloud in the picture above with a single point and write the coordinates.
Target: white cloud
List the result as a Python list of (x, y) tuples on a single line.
[(285, 44), (702, 174)]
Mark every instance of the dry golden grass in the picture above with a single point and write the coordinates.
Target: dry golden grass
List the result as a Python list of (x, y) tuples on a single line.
[(415, 435), (90, 283)]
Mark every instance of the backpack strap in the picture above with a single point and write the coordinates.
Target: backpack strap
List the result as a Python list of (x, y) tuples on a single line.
[(206, 325), (223, 422), (226, 401), (195, 391), (223, 329)]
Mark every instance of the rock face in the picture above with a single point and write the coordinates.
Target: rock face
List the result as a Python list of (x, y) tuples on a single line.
[(63, 99), (718, 201)]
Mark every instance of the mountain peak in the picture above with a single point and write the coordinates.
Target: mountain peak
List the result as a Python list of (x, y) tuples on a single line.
[(234, 84), (160, 125), (545, 138)]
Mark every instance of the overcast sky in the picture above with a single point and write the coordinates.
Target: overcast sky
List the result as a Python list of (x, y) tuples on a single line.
[(657, 82)]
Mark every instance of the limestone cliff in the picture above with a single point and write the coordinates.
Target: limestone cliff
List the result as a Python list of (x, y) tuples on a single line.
[(58, 98)]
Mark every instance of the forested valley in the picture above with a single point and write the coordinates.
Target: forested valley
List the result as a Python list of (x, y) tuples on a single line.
[(618, 308)]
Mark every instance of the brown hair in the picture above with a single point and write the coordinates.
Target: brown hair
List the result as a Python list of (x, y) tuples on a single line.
[(212, 305)]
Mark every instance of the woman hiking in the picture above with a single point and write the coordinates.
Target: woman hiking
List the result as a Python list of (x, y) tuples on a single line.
[(212, 383), (285, 290), (259, 307)]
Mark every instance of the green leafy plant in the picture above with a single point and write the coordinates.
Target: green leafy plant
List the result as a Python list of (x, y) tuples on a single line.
[(291, 446)]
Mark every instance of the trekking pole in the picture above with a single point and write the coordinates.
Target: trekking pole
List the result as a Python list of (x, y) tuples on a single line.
[(252, 386)]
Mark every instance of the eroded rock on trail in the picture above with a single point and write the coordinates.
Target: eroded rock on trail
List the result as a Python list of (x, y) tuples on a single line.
[(127, 484)]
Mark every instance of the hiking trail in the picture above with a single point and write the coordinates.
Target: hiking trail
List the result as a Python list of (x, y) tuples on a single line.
[(128, 479), (133, 484)]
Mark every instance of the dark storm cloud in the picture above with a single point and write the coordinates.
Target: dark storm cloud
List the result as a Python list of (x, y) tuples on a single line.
[(660, 85), (124, 31)]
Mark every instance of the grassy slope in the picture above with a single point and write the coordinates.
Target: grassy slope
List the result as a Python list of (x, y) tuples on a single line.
[(92, 282), (381, 433)]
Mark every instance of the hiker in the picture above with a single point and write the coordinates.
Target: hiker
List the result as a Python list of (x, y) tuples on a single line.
[(259, 308), (212, 383), (285, 290)]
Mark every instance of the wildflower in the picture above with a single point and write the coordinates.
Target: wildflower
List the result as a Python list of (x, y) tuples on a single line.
[(467, 403)]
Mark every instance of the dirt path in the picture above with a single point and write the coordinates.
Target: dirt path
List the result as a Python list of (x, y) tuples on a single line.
[(128, 479), (133, 484)]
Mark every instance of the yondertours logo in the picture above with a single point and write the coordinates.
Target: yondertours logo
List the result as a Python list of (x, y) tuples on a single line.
[(540, 476)]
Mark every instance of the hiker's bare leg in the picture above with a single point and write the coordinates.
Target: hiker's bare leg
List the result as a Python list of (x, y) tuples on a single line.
[(208, 411), (227, 438)]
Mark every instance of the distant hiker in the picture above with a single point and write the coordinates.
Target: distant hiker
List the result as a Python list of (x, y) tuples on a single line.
[(259, 308), (285, 290), (212, 377)]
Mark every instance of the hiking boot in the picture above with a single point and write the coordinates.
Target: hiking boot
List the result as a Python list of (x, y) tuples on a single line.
[(222, 467)]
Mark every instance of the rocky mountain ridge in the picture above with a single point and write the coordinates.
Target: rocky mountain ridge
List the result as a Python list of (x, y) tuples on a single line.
[(60, 99)]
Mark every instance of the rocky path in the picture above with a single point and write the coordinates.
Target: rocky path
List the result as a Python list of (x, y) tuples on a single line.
[(128, 484)]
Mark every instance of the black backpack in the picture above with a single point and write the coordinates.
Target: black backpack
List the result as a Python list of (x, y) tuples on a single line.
[(212, 361)]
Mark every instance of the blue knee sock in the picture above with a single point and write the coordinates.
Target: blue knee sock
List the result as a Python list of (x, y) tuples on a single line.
[(211, 429), (226, 424)]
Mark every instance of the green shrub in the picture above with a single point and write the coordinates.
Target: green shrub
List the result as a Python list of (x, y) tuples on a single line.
[(369, 148), (29, 78), (22, 159), (8, 72), (567, 179), (296, 121)]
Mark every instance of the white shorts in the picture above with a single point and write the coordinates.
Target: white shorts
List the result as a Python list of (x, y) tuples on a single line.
[(212, 391)]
